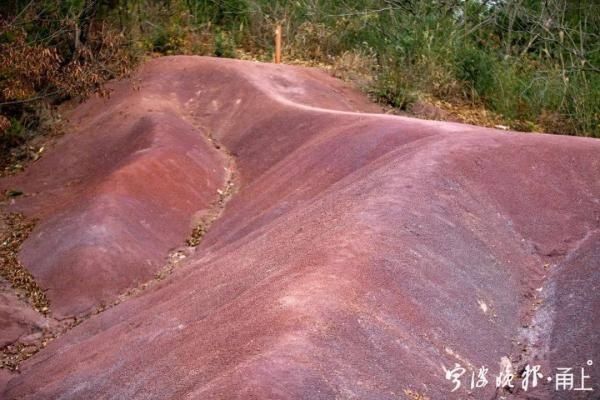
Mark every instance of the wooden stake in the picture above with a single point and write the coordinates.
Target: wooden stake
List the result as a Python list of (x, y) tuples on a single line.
[(278, 44)]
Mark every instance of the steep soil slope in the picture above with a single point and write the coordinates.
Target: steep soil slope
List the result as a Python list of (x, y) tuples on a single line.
[(361, 254)]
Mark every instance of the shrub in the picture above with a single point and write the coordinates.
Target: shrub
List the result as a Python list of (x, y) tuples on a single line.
[(476, 68), (224, 45)]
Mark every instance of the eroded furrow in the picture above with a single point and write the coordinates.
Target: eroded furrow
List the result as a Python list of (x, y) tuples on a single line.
[(18, 227)]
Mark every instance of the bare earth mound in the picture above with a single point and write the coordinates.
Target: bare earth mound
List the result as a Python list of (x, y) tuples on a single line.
[(360, 254)]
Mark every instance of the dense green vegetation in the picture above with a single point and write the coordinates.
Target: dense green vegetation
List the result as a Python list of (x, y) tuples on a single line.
[(536, 63)]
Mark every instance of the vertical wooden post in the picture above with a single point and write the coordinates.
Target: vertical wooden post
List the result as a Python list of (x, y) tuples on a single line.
[(278, 44)]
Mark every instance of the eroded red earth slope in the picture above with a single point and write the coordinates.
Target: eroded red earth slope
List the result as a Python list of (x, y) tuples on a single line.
[(359, 254)]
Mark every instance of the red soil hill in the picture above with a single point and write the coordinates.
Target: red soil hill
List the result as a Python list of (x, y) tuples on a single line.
[(361, 253)]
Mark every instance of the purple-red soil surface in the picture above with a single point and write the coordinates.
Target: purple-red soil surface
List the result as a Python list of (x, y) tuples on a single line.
[(358, 255)]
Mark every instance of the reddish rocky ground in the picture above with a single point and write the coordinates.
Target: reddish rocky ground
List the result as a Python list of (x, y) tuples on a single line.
[(335, 253)]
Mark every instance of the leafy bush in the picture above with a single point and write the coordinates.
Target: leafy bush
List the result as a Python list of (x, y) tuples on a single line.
[(224, 45), (477, 69), (169, 40), (393, 89)]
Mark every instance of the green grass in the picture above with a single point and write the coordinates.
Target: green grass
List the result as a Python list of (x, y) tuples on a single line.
[(534, 66)]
